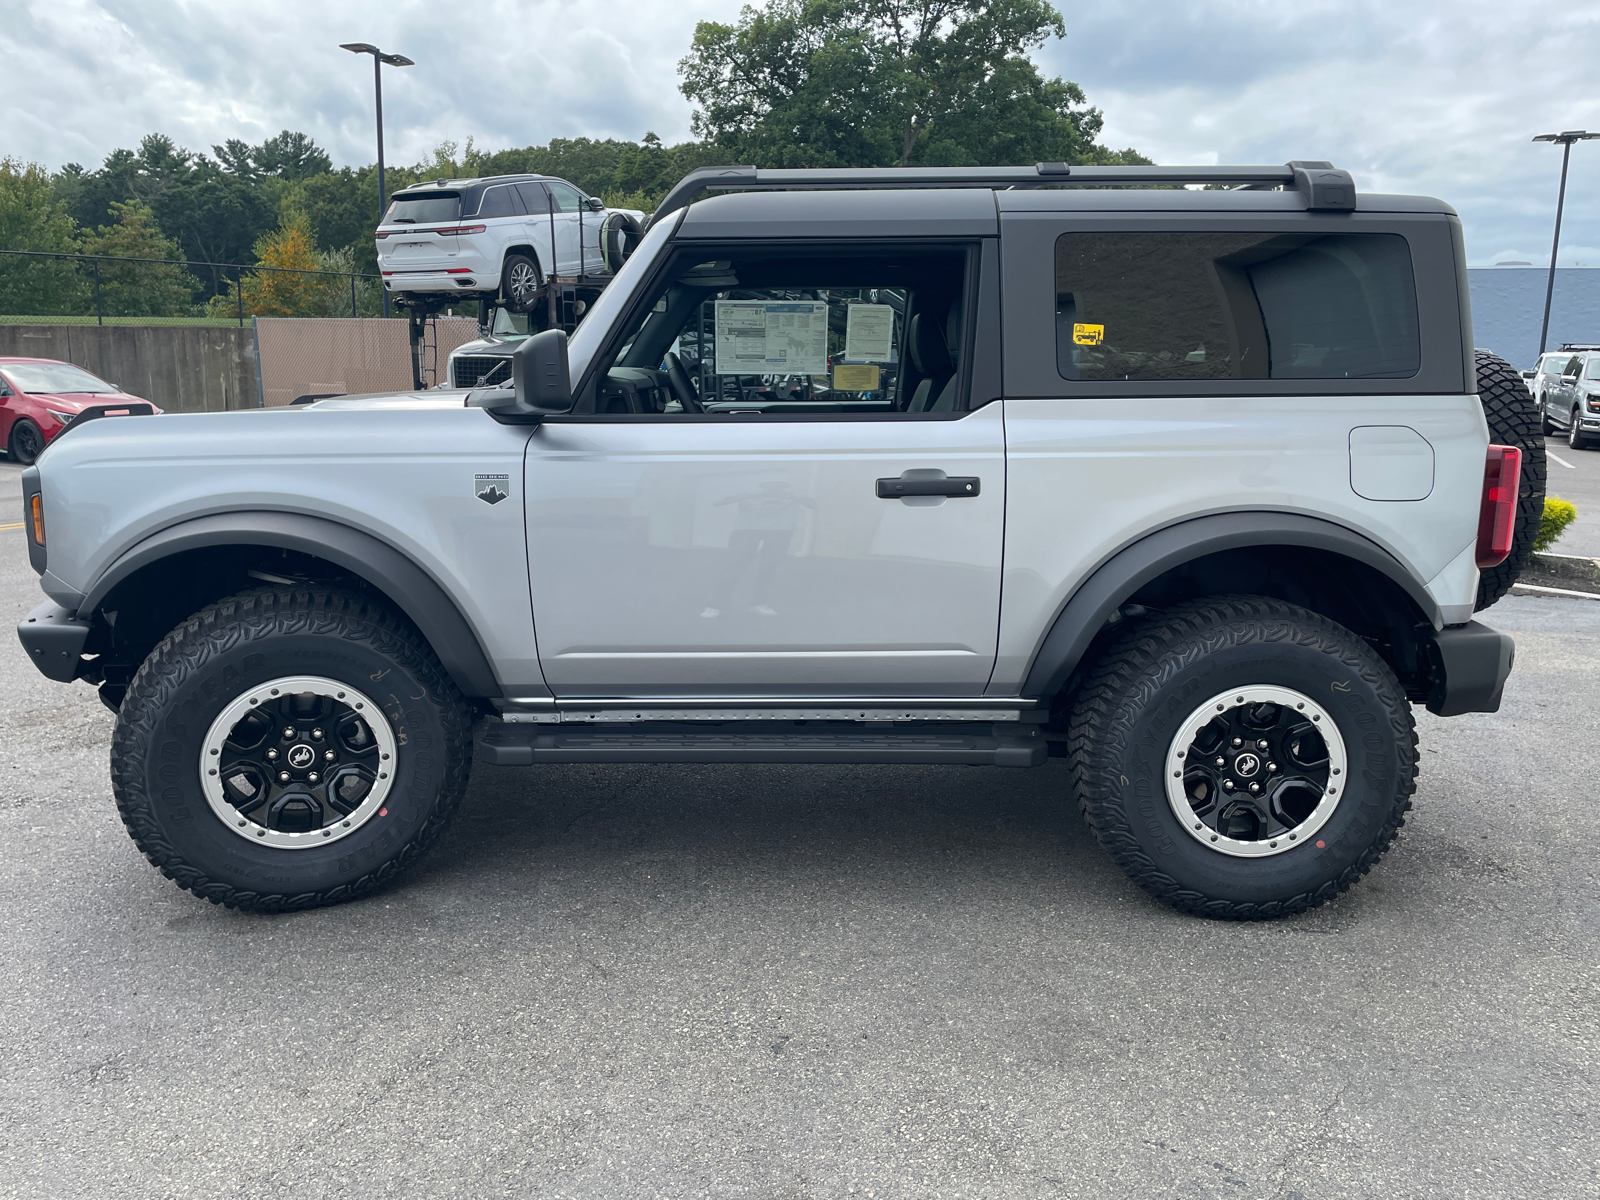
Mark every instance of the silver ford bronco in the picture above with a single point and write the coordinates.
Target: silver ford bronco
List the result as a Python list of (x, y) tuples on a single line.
[(1197, 487)]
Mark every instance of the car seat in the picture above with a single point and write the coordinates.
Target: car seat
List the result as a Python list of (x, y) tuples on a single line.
[(930, 355)]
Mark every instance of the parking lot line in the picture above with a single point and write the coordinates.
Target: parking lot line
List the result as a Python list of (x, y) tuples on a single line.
[(12, 525), (1559, 459)]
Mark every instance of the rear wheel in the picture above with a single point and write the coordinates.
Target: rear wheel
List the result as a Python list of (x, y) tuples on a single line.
[(284, 749), (1512, 422), (520, 280), (26, 442), (1243, 758)]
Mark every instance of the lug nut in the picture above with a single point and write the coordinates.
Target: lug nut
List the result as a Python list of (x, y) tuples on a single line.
[(283, 777), (317, 734), (329, 755), (312, 778), (1222, 762), (1254, 787), (288, 731), (1262, 744), (272, 754), (1272, 768), (1227, 785), (1238, 741)]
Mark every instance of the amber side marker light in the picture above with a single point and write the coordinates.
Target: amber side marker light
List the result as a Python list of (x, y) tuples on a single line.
[(36, 511)]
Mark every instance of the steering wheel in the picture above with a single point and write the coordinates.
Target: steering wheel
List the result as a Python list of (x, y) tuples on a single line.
[(682, 385)]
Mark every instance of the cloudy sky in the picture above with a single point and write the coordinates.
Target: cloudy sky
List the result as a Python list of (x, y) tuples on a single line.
[(1410, 95)]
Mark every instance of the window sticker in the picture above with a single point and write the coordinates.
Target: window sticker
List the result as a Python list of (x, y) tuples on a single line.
[(1088, 335), (780, 337), (856, 378), (868, 332)]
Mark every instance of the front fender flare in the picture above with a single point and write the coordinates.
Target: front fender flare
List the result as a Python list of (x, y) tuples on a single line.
[(415, 592), (1099, 596)]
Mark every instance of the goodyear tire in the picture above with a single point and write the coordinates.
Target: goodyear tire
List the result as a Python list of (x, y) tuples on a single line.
[(287, 748), (1512, 422), (1242, 758)]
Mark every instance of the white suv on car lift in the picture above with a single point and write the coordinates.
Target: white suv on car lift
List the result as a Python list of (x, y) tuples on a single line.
[(501, 236)]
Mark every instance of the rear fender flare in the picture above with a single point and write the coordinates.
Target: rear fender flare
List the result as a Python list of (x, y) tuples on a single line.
[(410, 588), (1109, 586)]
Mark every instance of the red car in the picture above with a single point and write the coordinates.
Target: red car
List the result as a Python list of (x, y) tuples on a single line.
[(38, 396)]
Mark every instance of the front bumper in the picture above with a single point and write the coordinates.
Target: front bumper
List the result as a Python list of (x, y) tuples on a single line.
[(1470, 665), (53, 639)]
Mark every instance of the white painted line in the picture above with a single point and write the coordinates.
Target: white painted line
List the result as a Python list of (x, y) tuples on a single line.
[(1560, 460), (1535, 590)]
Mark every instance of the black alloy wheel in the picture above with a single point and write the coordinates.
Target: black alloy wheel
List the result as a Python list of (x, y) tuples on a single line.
[(27, 442)]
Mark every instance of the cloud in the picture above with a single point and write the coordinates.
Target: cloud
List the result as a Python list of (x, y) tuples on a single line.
[(1421, 96)]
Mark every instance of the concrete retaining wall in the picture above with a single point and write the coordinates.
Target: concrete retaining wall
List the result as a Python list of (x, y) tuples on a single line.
[(180, 368)]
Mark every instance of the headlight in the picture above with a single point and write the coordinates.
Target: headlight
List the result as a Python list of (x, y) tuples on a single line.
[(62, 417)]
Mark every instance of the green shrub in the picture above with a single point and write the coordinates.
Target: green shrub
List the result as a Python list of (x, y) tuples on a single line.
[(1558, 514)]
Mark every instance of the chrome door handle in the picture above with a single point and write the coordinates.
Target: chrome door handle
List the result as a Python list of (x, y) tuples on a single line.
[(951, 485)]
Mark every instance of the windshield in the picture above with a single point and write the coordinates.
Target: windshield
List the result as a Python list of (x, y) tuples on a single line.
[(509, 326), (597, 323), (41, 378), (423, 207), (1593, 369)]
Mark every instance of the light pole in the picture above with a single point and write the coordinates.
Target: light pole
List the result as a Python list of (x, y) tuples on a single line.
[(1564, 140), (394, 60)]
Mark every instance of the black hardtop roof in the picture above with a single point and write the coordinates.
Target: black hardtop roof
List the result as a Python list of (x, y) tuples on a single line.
[(439, 185), (1304, 185)]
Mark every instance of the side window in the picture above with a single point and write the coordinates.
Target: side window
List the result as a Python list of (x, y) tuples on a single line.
[(535, 200), (1574, 367), (1592, 371), (566, 196), (500, 201), (1174, 306), (796, 331)]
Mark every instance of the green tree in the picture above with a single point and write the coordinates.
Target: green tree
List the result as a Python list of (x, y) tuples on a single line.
[(32, 218), (140, 289), (856, 83)]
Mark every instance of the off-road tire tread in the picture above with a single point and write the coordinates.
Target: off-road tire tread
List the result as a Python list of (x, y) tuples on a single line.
[(1512, 422), (221, 626), (1138, 662)]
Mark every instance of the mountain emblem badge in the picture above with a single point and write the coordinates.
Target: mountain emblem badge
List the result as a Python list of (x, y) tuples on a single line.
[(491, 489)]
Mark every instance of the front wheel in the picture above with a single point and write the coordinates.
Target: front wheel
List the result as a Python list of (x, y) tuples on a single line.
[(520, 281), (289, 748), (1575, 438), (26, 442), (1243, 758)]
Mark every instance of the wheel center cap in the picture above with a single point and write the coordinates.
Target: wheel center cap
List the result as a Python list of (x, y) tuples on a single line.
[(301, 756), (1246, 764)]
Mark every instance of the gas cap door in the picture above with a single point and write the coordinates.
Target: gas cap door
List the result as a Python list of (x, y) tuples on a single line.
[(1390, 462)]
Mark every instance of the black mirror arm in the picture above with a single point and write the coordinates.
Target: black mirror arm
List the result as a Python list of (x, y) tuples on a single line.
[(541, 383)]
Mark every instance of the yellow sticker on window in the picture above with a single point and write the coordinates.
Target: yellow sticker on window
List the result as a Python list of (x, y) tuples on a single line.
[(1088, 335), (855, 378)]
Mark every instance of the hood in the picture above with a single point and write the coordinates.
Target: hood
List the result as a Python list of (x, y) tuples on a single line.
[(390, 401), (77, 401)]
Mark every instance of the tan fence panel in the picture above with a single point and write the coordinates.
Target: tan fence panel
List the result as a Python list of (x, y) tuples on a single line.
[(308, 356)]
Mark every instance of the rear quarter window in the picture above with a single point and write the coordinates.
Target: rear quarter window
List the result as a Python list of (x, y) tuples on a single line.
[(1235, 305)]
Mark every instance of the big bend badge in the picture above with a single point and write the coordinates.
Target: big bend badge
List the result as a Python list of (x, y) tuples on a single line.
[(491, 489)]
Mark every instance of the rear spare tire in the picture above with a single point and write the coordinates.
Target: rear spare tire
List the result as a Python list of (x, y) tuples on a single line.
[(1512, 422)]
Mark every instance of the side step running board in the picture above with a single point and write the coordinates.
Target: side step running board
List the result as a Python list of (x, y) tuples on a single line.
[(971, 744)]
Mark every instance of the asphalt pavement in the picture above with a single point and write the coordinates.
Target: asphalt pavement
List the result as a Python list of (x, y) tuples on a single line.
[(1575, 475), (785, 982)]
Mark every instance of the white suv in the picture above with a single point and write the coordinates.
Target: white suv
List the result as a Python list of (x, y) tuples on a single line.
[(502, 236)]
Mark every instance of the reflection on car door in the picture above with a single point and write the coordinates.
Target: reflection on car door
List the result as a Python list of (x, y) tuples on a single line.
[(752, 557), (569, 211), (538, 228)]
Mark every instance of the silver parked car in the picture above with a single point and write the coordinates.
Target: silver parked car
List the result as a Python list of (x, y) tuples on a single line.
[(1568, 393)]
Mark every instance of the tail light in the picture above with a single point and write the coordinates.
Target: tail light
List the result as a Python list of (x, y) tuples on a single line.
[(1497, 516), (460, 229)]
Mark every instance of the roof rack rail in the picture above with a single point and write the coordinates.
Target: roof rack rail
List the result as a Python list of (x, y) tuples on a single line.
[(1325, 187), (1579, 346)]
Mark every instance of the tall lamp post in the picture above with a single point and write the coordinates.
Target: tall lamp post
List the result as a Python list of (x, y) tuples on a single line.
[(1564, 140), (400, 60)]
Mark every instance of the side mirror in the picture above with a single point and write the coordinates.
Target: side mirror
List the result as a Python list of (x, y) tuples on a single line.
[(595, 204), (541, 385)]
